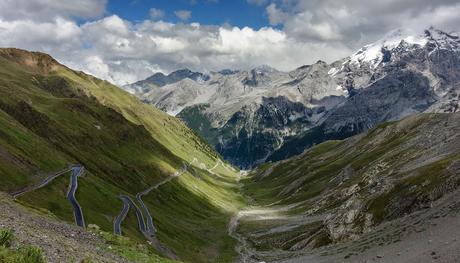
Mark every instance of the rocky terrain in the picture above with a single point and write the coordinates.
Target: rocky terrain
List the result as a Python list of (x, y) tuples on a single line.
[(60, 241), (286, 112), (357, 199)]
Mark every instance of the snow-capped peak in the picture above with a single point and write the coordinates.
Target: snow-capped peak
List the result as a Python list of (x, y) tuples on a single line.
[(374, 53), (441, 39)]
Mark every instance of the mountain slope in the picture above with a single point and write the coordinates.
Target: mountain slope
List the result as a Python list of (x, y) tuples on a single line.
[(61, 242), (52, 116), (159, 80), (401, 74), (340, 199)]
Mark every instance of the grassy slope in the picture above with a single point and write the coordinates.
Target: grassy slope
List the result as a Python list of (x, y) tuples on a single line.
[(396, 168), (51, 116)]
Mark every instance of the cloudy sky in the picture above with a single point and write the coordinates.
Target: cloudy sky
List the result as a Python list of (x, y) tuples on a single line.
[(127, 40)]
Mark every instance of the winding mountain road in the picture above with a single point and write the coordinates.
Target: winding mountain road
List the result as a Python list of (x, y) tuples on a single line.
[(217, 164), (117, 222), (77, 170), (43, 183), (128, 203), (149, 220), (146, 227)]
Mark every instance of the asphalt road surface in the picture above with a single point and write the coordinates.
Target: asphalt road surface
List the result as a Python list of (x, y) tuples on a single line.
[(77, 170)]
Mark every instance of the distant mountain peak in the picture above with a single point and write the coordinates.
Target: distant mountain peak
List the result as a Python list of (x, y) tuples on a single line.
[(377, 52), (187, 73), (181, 71), (159, 79), (264, 69)]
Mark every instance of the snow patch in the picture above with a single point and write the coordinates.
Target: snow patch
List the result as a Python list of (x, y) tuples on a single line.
[(333, 71), (373, 53)]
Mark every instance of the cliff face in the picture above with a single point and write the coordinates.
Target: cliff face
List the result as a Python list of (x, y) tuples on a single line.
[(238, 111)]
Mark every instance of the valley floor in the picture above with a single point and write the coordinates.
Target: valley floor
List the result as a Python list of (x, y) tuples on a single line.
[(430, 235)]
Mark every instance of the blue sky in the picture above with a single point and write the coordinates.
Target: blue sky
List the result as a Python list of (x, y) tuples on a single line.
[(207, 12)]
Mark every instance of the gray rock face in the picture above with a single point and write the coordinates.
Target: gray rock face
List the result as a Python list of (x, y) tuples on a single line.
[(160, 80), (393, 97), (401, 79), (252, 133), (264, 114)]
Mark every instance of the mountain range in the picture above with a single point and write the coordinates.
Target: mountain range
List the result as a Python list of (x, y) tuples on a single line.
[(251, 117), (353, 161)]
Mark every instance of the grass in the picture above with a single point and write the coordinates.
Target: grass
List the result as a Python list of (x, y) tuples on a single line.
[(30, 254), (23, 254), (202, 207), (419, 184), (6, 237), (320, 178), (50, 118), (195, 118), (131, 250)]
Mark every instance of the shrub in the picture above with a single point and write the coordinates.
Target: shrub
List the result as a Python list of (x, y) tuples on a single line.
[(32, 255), (6, 236)]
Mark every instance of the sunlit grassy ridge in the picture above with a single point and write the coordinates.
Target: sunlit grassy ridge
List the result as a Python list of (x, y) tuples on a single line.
[(51, 116)]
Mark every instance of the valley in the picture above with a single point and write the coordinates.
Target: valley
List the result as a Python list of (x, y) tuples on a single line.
[(341, 175), (362, 199), (52, 117), (212, 131)]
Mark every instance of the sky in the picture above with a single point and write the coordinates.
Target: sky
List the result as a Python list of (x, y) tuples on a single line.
[(128, 40)]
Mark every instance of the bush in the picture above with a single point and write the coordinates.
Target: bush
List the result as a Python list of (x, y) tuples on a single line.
[(32, 255), (6, 237)]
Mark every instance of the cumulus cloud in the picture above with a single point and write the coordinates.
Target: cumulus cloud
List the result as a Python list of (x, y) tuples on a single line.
[(48, 10), (133, 51), (53, 36), (183, 15), (355, 22), (122, 51)]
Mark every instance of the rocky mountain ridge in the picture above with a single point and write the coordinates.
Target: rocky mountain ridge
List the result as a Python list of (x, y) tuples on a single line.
[(236, 111)]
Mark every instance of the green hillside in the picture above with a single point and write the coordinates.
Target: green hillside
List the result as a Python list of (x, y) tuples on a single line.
[(338, 191), (51, 116)]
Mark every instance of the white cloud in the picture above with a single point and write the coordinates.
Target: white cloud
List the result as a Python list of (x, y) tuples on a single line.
[(275, 16), (162, 46), (183, 15), (49, 10), (156, 13), (56, 35), (123, 52), (356, 22)]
